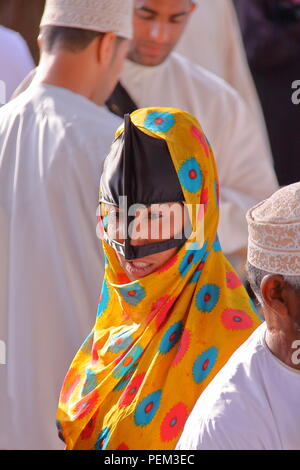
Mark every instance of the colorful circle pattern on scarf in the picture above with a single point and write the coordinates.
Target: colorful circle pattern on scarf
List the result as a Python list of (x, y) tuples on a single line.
[(216, 245), (204, 199), (123, 446), (196, 276), (232, 280), (236, 319), (103, 439), (159, 122), (132, 390), (95, 350), (201, 138), (168, 265), (147, 409), (104, 300), (90, 382), (161, 310), (128, 361), (88, 343), (90, 427), (120, 342), (133, 294), (86, 405), (173, 422), (204, 364), (170, 338), (190, 175), (70, 383), (165, 311), (125, 380), (192, 257), (122, 278), (207, 298), (183, 347)]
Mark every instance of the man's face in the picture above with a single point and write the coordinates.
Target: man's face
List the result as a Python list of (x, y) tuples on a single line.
[(158, 25)]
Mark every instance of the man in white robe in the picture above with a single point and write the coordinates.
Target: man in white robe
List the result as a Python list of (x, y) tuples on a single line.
[(54, 138), (156, 76), (253, 402), (213, 40), (15, 62)]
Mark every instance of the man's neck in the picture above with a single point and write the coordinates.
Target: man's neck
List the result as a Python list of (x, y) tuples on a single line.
[(285, 345), (57, 71)]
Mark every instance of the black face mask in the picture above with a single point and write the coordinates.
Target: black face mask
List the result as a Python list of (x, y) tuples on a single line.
[(140, 167)]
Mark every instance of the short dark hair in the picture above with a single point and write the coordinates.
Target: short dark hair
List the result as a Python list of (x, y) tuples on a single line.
[(256, 275), (71, 39)]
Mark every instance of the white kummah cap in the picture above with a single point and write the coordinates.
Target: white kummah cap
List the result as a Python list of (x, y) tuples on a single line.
[(95, 15), (274, 233)]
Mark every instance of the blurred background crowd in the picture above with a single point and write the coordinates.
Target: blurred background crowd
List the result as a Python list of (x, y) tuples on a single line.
[(270, 30)]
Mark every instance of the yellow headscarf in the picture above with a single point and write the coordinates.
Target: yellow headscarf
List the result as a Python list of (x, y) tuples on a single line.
[(159, 341)]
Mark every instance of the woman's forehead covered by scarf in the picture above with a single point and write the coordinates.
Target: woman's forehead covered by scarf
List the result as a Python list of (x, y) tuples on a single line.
[(139, 167), (158, 141)]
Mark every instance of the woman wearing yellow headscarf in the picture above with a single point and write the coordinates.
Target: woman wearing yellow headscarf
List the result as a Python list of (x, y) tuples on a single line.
[(172, 309)]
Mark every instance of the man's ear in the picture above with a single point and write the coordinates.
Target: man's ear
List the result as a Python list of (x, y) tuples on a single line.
[(106, 48), (274, 292)]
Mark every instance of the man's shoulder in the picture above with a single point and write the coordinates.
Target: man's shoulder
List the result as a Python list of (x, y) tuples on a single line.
[(202, 76), (55, 106), (228, 415), (12, 109), (242, 374), (80, 127), (80, 112)]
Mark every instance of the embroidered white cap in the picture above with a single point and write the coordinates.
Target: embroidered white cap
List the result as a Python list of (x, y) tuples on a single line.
[(96, 15), (274, 232)]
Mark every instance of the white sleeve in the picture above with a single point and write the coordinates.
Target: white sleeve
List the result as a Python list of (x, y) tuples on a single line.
[(231, 430)]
